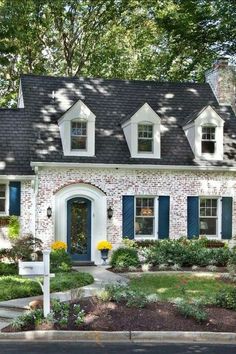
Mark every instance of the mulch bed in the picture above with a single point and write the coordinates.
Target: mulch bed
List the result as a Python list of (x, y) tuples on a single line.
[(160, 316)]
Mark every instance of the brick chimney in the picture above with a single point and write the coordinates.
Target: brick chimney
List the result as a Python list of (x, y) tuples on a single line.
[(222, 79)]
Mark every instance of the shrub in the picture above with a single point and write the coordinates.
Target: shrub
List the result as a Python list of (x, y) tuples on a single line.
[(175, 267), (59, 315), (187, 253), (129, 243), (123, 293), (124, 257), (146, 243), (30, 318), (23, 248), (211, 268), (226, 298), (194, 310), (60, 261), (13, 227), (231, 266), (8, 269), (5, 253)]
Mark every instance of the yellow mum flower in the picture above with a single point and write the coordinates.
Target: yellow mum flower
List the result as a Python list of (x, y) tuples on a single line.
[(59, 245), (104, 245)]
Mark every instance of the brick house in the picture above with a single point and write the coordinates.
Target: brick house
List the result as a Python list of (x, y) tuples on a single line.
[(84, 160)]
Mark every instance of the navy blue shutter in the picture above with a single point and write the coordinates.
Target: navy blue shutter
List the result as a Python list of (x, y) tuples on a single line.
[(128, 216), (163, 217), (227, 207), (193, 216), (14, 198)]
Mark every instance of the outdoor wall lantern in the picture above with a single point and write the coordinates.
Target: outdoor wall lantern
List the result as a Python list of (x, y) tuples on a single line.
[(49, 212), (109, 213)]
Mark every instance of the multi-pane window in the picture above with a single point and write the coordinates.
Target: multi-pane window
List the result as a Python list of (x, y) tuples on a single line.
[(2, 198), (208, 140), (145, 138), (78, 135), (208, 216), (145, 216)]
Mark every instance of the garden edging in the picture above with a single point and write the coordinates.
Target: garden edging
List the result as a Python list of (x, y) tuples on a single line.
[(134, 336)]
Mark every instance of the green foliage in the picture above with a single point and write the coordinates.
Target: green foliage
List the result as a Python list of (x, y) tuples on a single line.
[(124, 294), (8, 269), (226, 298), (23, 247), (65, 281), (187, 253), (129, 243), (5, 253), (13, 227), (59, 316), (193, 310), (129, 40), (147, 243), (27, 319), (60, 261), (13, 287), (124, 258)]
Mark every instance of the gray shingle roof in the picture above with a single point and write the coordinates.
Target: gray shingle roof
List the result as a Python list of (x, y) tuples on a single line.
[(35, 131)]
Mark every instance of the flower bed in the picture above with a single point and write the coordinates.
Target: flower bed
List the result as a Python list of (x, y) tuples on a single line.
[(172, 255), (150, 303)]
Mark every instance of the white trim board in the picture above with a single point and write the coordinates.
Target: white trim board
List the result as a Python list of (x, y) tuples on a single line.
[(35, 164)]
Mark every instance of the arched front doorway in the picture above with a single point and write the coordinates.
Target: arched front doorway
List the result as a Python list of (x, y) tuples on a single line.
[(81, 220), (79, 228)]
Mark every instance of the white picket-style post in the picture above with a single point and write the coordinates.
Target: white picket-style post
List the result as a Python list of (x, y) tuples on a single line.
[(46, 283)]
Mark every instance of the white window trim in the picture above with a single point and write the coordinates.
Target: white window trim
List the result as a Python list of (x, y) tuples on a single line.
[(156, 213), (218, 235), (6, 212), (83, 121)]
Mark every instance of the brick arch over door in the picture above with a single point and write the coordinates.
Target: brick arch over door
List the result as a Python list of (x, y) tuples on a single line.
[(78, 182)]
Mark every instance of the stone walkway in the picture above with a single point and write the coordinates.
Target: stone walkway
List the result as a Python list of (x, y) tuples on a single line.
[(13, 308)]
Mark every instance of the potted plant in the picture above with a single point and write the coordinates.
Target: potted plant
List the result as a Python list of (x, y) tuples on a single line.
[(104, 247)]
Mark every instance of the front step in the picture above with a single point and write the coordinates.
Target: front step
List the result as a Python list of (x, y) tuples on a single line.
[(82, 263)]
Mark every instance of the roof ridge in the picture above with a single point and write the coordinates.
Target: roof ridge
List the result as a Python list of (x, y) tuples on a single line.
[(116, 79)]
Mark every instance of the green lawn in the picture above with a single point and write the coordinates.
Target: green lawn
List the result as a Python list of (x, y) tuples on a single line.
[(13, 286), (170, 287)]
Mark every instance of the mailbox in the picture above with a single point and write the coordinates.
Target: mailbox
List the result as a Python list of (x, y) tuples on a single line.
[(31, 268)]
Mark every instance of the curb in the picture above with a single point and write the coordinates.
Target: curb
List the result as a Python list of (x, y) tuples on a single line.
[(126, 336)]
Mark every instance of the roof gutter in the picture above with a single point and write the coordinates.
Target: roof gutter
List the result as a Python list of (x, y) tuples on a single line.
[(17, 177), (35, 164)]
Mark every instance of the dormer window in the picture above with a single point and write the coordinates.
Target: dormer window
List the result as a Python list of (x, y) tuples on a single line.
[(142, 131), (145, 138), (77, 130), (78, 135), (208, 139), (205, 133)]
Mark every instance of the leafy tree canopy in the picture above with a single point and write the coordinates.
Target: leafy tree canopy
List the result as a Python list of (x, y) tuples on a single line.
[(131, 39)]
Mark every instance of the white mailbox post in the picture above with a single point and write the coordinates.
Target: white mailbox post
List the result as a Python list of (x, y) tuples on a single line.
[(39, 269)]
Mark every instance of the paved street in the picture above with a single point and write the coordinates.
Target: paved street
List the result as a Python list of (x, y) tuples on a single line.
[(112, 348)]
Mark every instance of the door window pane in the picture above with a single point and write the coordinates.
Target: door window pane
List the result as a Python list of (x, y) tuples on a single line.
[(79, 232)]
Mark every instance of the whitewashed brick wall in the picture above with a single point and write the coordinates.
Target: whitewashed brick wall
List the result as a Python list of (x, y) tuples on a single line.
[(118, 182)]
